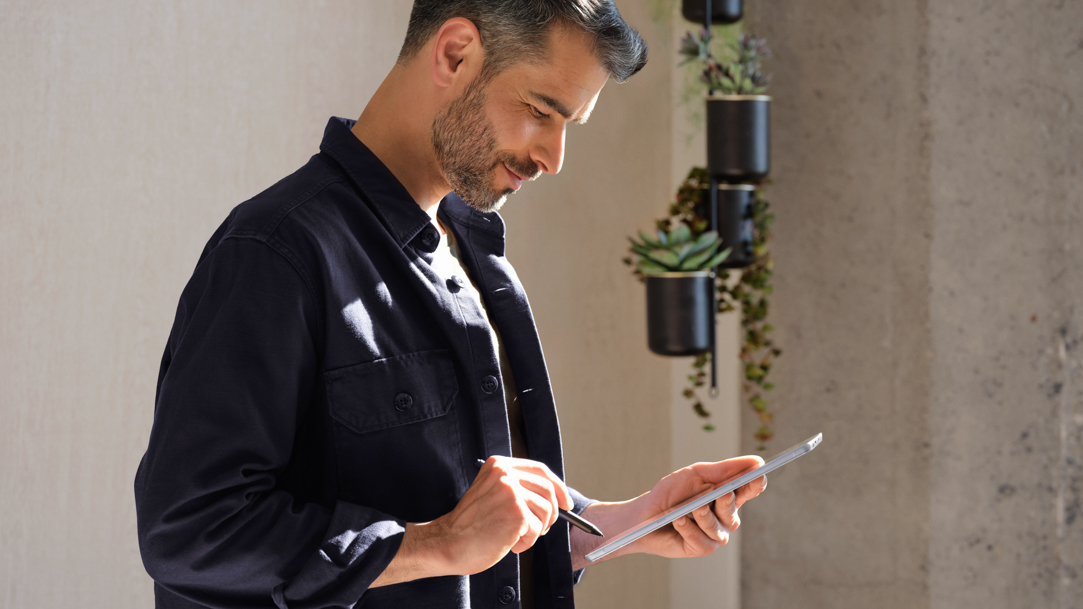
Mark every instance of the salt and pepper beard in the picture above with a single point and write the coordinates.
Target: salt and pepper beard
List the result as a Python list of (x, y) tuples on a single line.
[(466, 150)]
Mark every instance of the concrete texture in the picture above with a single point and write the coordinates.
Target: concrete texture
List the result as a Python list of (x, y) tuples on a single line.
[(1005, 89), (130, 129), (928, 178)]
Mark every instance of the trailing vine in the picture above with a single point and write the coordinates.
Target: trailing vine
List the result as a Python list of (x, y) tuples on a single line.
[(748, 291)]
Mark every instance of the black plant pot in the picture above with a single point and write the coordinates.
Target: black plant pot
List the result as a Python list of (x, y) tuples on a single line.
[(739, 138), (722, 11), (734, 222), (679, 314)]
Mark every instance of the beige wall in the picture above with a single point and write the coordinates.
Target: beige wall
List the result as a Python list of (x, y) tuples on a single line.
[(129, 129)]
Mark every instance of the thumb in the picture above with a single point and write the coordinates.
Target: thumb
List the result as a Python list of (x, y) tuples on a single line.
[(723, 471)]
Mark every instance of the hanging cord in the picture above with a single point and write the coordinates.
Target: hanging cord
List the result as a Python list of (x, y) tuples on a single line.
[(713, 392)]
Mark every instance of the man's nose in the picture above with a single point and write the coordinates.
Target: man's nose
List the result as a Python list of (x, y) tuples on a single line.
[(548, 153)]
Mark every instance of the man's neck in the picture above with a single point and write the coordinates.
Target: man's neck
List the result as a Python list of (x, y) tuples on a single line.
[(395, 126)]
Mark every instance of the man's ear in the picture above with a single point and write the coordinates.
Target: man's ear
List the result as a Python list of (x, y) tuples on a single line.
[(456, 50)]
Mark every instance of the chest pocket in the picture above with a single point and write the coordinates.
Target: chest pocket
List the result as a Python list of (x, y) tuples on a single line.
[(394, 391)]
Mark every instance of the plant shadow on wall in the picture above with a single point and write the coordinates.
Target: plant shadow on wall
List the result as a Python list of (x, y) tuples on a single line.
[(726, 66)]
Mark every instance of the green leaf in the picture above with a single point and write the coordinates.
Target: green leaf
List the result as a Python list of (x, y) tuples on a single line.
[(683, 252), (707, 239), (662, 238), (681, 234), (697, 262), (702, 245), (648, 241), (717, 260), (758, 403), (646, 266), (753, 372), (666, 258)]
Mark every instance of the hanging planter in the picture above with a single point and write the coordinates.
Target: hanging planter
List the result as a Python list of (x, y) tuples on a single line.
[(735, 221), (722, 11), (739, 138), (679, 312), (738, 112), (678, 271)]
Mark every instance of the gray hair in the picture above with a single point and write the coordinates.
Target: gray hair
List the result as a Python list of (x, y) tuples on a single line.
[(517, 30)]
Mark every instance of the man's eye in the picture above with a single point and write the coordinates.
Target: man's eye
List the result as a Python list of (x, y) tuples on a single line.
[(538, 113)]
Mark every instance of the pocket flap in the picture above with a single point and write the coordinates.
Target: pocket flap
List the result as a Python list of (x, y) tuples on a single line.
[(393, 391)]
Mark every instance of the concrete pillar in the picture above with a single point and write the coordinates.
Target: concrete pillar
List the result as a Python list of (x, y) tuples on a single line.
[(928, 162)]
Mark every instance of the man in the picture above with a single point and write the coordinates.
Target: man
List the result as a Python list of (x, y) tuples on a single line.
[(353, 342)]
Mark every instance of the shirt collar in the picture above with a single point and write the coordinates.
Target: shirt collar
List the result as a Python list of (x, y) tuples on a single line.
[(404, 218)]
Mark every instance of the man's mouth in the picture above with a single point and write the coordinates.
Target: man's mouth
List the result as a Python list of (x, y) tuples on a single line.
[(516, 179)]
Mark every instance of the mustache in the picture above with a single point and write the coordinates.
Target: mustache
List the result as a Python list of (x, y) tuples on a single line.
[(527, 169)]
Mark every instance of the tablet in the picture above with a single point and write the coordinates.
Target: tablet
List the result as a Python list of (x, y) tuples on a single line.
[(704, 498)]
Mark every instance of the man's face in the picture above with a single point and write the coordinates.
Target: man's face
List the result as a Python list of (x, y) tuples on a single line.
[(498, 134)]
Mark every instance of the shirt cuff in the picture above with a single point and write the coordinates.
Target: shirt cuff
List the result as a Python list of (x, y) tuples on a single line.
[(579, 503)]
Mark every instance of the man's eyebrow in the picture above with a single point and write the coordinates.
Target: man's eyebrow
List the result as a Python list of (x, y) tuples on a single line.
[(559, 107)]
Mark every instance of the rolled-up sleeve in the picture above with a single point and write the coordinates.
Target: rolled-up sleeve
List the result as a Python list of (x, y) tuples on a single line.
[(236, 379)]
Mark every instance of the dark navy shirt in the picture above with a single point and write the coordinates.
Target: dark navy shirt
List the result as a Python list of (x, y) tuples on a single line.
[(322, 386)]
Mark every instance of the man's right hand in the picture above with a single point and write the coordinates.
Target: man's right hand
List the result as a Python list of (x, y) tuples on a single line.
[(511, 503)]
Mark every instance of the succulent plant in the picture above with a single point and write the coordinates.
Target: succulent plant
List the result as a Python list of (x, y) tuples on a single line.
[(739, 74), (677, 252)]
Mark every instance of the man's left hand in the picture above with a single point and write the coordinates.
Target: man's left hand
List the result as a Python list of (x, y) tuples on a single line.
[(699, 534)]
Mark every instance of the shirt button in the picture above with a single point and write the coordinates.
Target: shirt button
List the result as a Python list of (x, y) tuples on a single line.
[(507, 595), (453, 286), (403, 402), (489, 384), (429, 238), (459, 281)]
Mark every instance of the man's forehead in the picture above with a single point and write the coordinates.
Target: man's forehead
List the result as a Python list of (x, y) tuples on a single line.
[(569, 77)]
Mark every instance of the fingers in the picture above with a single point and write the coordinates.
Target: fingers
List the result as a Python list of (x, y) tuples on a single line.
[(708, 528), (562, 497), (543, 498), (725, 510), (533, 526), (701, 534), (751, 490), (712, 525), (537, 493)]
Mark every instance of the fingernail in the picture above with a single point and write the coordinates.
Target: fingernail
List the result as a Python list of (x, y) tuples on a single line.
[(706, 510), (681, 521)]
